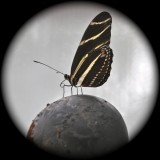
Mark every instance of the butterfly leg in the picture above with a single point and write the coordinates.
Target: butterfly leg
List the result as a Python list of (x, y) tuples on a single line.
[(81, 90), (62, 85), (67, 86), (63, 90), (71, 90), (77, 90)]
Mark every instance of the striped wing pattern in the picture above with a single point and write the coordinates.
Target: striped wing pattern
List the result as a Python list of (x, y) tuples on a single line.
[(100, 71), (92, 62)]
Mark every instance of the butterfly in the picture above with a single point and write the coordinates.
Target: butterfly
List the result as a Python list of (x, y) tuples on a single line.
[(91, 65)]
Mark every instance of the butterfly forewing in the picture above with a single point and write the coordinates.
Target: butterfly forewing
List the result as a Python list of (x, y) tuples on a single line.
[(88, 59)]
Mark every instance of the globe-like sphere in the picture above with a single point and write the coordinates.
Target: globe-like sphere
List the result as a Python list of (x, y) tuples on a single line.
[(79, 126)]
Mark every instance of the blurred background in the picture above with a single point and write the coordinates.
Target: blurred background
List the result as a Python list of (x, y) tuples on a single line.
[(52, 37)]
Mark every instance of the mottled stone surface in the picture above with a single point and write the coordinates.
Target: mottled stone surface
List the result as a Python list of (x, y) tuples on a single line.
[(79, 126)]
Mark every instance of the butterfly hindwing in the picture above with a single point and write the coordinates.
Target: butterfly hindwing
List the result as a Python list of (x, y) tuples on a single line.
[(88, 58), (100, 71)]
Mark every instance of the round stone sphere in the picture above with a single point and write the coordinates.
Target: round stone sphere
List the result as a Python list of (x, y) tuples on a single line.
[(79, 126)]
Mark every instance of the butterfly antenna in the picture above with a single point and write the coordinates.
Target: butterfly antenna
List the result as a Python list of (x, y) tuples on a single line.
[(49, 67)]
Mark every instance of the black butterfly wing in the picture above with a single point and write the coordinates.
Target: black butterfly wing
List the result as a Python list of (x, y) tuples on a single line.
[(99, 72), (96, 36)]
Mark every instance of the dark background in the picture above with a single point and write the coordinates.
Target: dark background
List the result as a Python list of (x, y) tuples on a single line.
[(13, 15)]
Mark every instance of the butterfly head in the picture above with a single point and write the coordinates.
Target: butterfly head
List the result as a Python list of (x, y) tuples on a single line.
[(66, 77)]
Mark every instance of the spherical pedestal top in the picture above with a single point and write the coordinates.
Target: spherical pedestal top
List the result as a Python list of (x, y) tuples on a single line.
[(79, 126)]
